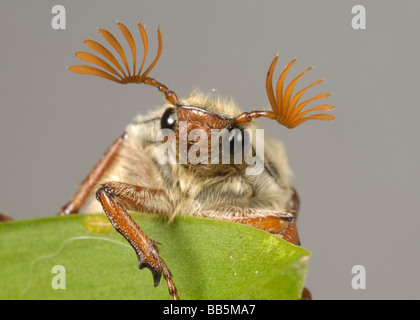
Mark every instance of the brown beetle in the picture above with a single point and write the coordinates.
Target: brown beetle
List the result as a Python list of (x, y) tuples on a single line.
[(136, 178)]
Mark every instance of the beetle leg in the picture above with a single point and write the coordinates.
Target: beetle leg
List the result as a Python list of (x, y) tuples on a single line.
[(4, 218), (275, 222), (294, 204), (116, 198), (306, 295), (92, 179)]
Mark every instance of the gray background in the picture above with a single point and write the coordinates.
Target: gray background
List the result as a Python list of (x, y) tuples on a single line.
[(357, 176)]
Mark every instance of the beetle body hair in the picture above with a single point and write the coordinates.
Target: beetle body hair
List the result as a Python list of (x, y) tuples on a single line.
[(191, 192)]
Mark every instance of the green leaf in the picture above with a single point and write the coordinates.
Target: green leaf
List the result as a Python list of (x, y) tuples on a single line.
[(209, 260)]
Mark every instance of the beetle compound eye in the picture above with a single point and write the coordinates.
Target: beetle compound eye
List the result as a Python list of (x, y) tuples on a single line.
[(168, 119)]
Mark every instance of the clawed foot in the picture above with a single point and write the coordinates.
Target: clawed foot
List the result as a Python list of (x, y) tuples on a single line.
[(149, 258)]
